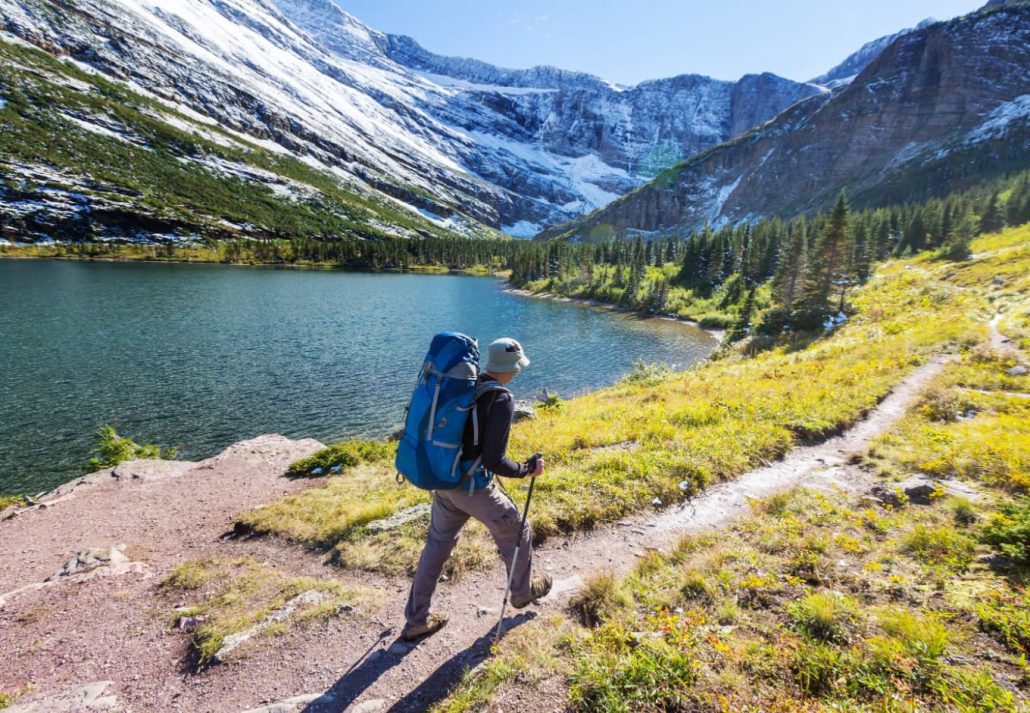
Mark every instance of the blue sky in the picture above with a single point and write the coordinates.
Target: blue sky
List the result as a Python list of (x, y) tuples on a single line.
[(632, 40)]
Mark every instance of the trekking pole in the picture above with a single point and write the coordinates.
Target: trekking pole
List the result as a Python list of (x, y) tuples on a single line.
[(518, 543)]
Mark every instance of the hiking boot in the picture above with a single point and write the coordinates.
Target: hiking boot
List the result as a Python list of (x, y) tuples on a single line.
[(539, 586), (414, 632)]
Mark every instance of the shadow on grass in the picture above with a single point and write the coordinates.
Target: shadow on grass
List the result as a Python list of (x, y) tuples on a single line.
[(376, 662)]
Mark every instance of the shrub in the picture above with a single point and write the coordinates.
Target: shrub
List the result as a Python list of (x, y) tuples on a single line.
[(112, 449), (346, 454), (924, 637), (942, 404), (715, 321), (941, 546), (696, 586), (644, 374), (601, 596), (1007, 617), (964, 512), (621, 674), (825, 617), (1008, 530), (552, 400), (9, 500)]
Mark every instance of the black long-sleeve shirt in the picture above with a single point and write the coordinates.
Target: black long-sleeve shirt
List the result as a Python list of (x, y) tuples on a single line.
[(496, 412)]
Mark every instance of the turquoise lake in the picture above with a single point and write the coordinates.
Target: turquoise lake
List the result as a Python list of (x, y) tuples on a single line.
[(201, 356)]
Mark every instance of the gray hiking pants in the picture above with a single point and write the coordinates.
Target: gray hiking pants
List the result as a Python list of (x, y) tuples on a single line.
[(451, 510)]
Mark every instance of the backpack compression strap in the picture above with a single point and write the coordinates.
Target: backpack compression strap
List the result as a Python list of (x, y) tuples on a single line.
[(482, 388)]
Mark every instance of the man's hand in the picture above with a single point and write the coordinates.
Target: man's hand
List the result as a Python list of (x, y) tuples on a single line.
[(538, 461)]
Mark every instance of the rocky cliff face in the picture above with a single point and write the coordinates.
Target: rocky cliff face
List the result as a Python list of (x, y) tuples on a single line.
[(860, 59), (511, 148), (940, 106)]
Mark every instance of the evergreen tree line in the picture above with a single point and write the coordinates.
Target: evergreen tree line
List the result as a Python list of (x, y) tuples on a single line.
[(810, 263)]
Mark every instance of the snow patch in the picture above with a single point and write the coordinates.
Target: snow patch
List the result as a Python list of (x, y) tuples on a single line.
[(107, 127), (442, 80), (723, 194), (522, 229), (190, 128), (430, 215), (277, 184), (997, 121), (581, 172)]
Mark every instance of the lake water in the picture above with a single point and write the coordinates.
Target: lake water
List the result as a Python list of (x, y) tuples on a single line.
[(201, 356)]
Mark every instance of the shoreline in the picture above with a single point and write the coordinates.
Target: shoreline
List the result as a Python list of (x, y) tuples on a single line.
[(718, 334), (325, 267)]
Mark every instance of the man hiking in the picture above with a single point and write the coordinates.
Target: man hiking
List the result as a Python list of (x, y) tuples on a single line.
[(452, 508)]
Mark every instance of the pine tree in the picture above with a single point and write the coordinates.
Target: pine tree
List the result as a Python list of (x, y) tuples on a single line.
[(1017, 208), (789, 277), (861, 258), (992, 220), (828, 270), (742, 324), (956, 247)]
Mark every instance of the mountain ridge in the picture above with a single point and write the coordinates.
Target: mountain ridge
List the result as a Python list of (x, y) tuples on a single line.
[(305, 76), (940, 106)]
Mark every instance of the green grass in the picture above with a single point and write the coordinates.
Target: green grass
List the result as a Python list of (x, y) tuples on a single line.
[(9, 697), (1006, 616), (1008, 530), (674, 434), (600, 597), (343, 455), (529, 662), (825, 617), (723, 623), (941, 546), (9, 500), (232, 595), (112, 449), (821, 601), (716, 309)]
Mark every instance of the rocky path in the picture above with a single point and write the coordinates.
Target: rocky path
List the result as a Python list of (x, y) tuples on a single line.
[(102, 642)]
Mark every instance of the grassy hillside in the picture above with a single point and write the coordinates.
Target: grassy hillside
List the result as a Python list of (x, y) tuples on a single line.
[(667, 436), (84, 157), (824, 601)]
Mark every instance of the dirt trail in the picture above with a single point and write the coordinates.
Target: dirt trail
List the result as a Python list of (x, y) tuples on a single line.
[(109, 632)]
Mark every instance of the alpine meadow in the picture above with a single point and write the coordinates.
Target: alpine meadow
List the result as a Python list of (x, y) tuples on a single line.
[(343, 375)]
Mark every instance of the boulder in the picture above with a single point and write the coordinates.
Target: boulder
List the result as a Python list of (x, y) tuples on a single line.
[(524, 409), (890, 495), (919, 489), (88, 560), (233, 641), (401, 518)]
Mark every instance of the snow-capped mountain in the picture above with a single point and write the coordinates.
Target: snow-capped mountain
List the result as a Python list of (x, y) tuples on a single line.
[(455, 139), (939, 108), (859, 60)]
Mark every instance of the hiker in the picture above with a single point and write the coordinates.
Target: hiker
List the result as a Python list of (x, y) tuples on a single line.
[(452, 508)]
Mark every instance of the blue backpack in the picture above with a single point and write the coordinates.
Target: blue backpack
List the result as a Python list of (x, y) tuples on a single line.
[(429, 452)]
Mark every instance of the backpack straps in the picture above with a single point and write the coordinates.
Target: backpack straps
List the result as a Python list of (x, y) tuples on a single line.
[(483, 387)]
